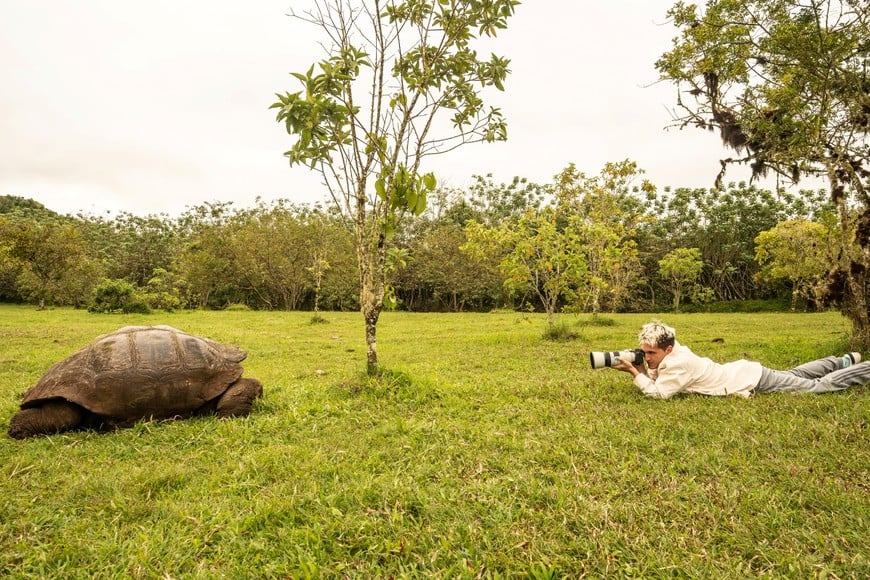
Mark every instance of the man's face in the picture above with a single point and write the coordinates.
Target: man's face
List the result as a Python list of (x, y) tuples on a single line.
[(654, 354)]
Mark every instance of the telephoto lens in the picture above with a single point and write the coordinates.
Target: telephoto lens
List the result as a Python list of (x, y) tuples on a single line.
[(600, 360)]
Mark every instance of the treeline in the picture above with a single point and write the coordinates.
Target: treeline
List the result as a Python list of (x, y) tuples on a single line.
[(599, 243)]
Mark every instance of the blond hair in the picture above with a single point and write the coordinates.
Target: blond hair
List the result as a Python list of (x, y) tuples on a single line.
[(658, 334)]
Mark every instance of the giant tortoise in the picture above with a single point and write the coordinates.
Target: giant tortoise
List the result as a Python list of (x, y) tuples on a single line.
[(136, 373)]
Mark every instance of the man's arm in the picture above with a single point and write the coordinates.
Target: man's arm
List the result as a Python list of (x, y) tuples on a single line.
[(659, 385)]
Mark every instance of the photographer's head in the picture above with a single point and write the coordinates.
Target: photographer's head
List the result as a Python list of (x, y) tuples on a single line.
[(656, 341), (658, 334)]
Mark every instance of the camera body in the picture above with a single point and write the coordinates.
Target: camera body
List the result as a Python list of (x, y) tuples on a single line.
[(600, 360)]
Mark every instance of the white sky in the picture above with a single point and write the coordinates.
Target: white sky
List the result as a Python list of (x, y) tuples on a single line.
[(151, 107)]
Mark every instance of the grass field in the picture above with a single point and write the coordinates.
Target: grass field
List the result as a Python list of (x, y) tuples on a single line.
[(485, 452)]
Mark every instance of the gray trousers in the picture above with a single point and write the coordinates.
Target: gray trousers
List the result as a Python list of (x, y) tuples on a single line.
[(825, 375)]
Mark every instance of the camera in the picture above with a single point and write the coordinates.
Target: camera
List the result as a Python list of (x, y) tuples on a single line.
[(599, 360)]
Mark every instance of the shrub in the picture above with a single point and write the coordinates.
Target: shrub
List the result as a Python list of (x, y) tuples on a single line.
[(118, 296), (167, 301), (559, 332), (318, 319)]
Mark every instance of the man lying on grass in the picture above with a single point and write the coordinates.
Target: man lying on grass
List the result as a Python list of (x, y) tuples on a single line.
[(672, 368)]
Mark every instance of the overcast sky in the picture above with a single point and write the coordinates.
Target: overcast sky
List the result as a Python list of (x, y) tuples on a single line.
[(151, 107)]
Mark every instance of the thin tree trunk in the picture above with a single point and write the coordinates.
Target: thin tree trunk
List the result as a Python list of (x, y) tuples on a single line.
[(371, 256)]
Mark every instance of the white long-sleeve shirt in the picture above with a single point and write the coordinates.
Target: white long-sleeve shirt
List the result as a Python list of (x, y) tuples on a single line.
[(682, 371)]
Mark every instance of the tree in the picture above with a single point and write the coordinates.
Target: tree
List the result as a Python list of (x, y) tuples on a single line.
[(339, 285), (785, 83), (9, 266), (609, 214), (270, 248), (15, 203), (444, 275), (142, 245), (53, 262), (723, 224), (379, 104), (681, 269), (317, 224), (166, 291), (131, 247), (542, 256), (495, 204), (799, 251), (206, 261)]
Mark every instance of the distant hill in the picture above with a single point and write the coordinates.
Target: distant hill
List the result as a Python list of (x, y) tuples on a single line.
[(13, 203)]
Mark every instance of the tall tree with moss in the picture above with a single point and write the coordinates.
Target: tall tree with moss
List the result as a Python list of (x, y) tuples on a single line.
[(401, 81), (785, 83)]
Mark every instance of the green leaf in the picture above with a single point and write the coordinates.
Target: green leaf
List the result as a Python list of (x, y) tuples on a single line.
[(381, 189), (420, 206), (411, 198)]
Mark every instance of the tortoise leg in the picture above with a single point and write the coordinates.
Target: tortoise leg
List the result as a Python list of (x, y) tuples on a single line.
[(239, 398), (50, 417)]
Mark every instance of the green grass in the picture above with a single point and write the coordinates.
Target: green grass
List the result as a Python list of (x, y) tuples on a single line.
[(483, 450)]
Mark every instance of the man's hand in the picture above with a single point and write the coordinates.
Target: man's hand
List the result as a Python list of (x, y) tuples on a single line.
[(627, 367)]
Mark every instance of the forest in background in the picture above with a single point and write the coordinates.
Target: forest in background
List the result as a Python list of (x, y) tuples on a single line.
[(603, 243)]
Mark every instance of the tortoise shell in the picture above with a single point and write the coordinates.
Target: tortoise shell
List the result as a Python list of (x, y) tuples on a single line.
[(141, 371)]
